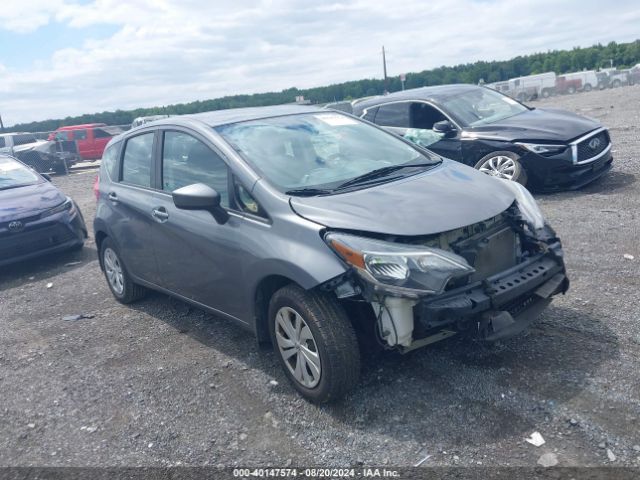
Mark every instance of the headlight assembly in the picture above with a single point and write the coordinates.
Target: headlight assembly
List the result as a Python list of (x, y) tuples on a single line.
[(67, 205), (542, 149), (526, 204), (405, 270)]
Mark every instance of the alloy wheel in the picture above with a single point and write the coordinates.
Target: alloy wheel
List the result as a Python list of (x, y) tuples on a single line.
[(500, 166), (297, 346), (113, 269)]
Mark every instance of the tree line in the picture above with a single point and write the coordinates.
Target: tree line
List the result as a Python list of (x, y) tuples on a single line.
[(598, 56)]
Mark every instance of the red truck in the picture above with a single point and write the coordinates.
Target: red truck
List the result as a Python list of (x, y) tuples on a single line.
[(91, 138)]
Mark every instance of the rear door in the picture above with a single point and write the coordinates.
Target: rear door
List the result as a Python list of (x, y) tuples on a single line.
[(84, 143), (130, 206)]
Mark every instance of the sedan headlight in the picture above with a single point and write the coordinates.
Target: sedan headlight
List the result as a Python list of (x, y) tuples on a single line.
[(526, 204), (544, 150), (405, 270), (67, 205)]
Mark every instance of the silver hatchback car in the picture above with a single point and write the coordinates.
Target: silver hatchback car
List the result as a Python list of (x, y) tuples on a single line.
[(314, 230)]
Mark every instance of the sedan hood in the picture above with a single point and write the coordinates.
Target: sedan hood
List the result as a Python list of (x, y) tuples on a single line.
[(23, 202), (444, 198), (536, 126)]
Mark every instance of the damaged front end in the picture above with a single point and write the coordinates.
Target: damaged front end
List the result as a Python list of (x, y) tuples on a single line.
[(492, 278)]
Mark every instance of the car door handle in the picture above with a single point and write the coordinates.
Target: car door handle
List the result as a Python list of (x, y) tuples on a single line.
[(113, 197), (160, 214)]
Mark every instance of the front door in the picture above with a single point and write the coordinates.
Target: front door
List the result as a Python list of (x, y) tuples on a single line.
[(197, 258)]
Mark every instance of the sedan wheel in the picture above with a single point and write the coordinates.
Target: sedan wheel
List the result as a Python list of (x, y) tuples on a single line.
[(298, 347), (503, 165), (500, 166)]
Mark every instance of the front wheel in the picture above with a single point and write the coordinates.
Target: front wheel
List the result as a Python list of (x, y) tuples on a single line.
[(503, 165), (315, 343)]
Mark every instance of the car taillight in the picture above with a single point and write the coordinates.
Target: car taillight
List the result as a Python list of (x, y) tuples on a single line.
[(96, 187)]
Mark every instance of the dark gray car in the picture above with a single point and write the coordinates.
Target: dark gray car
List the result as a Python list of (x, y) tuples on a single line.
[(314, 229)]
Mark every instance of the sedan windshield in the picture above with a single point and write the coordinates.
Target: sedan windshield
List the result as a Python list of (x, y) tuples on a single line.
[(316, 153), (482, 106), (14, 174)]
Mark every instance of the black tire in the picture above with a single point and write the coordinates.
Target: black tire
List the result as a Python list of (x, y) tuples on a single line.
[(519, 175), (130, 290), (588, 87), (546, 93), (334, 340), (571, 90)]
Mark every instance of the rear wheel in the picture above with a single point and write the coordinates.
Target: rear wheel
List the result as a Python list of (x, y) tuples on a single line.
[(546, 93), (503, 165), (588, 87), (571, 90), (120, 283), (315, 343)]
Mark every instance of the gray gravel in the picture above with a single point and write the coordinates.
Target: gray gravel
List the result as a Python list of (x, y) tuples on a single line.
[(161, 383)]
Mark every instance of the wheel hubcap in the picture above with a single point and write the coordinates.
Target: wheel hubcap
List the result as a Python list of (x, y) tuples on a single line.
[(499, 166), (113, 269), (298, 347)]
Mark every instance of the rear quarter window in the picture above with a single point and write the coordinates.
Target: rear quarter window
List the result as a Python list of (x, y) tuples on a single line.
[(110, 161)]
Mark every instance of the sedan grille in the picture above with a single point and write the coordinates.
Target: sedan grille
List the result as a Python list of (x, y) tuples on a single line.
[(33, 240), (592, 146)]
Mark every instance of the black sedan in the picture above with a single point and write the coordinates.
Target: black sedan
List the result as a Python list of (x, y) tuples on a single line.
[(546, 149), (35, 217)]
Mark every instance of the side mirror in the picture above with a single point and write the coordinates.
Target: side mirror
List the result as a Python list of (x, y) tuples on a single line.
[(445, 127), (46, 176), (199, 196)]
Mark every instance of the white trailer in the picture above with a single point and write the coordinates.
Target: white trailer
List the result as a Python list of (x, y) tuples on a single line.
[(532, 86)]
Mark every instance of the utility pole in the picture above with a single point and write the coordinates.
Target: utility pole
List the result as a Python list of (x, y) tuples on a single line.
[(1, 124), (384, 66)]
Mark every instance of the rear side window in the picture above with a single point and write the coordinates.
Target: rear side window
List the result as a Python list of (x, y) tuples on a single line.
[(99, 133), (186, 160), (136, 162), (371, 114), (79, 134), (393, 115), (110, 161)]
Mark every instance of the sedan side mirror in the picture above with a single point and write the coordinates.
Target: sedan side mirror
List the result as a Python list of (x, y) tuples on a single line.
[(445, 127), (199, 196)]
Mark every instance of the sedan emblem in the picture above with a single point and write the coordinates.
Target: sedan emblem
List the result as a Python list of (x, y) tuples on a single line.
[(594, 143), (16, 226)]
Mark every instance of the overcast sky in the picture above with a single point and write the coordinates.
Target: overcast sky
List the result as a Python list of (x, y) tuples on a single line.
[(67, 57)]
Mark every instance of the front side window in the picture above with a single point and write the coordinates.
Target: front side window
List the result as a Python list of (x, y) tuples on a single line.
[(136, 162), (317, 150), (62, 136), (14, 174), (186, 160), (482, 106), (100, 133), (394, 115)]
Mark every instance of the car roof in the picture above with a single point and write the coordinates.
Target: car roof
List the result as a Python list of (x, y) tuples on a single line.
[(84, 125), (436, 94), (234, 115)]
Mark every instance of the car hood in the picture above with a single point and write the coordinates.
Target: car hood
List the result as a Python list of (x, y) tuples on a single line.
[(40, 145), (444, 198), (23, 202), (536, 125)]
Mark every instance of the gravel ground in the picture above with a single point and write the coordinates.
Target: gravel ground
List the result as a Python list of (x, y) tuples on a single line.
[(161, 383)]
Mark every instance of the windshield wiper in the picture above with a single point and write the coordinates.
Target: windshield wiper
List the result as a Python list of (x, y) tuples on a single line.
[(379, 173), (308, 192)]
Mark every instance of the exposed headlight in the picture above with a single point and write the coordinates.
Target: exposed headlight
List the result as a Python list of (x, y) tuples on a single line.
[(67, 205), (544, 150), (526, 204), (405, 270)]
